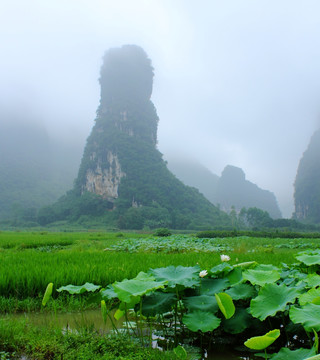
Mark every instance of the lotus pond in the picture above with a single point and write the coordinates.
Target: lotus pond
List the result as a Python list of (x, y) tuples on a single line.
[(176, 293)]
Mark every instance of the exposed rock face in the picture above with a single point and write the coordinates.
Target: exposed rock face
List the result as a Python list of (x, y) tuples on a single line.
[(105, 182), (307, 183)]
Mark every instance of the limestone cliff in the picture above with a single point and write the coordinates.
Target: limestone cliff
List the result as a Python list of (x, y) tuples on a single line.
[(122, 176)]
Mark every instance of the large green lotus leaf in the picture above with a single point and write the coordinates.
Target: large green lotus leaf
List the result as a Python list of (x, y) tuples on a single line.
[(180, 352), (261, 275), (239, 322), (180, 275), (213, 286), (271, 299), (125, 306), (241, 291), (223, 268), (315, 357), (235, 276), (312, 280), (202, 302), (157, 303), (138, 286), (299, 354), (309, 296), (266, 267), (262, 342), (201, 320), (73, 289), (308, 316), (309, 257), (225, 304), (108, 293)]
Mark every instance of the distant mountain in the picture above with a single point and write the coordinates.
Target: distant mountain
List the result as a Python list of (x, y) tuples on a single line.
[(234, 190), (231, 189), (35, 170), (307, 183)]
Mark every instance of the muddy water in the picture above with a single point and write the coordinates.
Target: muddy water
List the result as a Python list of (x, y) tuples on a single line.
[(93, 319)]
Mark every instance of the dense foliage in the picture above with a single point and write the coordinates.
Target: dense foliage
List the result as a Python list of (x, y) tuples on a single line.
[(307, 183), (225, 303)]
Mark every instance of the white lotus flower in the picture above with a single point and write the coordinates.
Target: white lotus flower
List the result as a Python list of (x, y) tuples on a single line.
[(203, 273), (224, 257)]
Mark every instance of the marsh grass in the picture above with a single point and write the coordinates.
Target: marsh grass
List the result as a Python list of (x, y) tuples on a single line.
[(20, 337), (29, 261)]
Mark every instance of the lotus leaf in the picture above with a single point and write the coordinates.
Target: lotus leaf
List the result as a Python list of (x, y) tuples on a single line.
[(235, 276), (316, 300), (239, 322), (309, 296), (266, 267), (308, 316), (225, 304), (140, 285), (180, 352), (47, 294), (213, 286), (271, 299), (157, 303), (118, 314), (108, 293), (73, 289), (202, 302), (201, 320), (241, 291), (261, 276), (309, 257), (262, 342), (223, 268), (180, 275), (315, 357), (125, 306), (300, 354), (313, 280)]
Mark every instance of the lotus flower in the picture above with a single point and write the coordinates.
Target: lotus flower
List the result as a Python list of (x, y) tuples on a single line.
[(224, 257), (203, 273)]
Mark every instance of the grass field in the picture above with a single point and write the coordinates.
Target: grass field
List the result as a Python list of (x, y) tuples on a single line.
[(29, 261)]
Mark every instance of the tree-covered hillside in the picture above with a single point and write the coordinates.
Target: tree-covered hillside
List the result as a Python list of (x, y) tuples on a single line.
[(307, 183), (121, 171)]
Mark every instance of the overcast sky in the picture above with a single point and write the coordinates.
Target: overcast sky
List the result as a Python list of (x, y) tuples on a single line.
[(236, 81)]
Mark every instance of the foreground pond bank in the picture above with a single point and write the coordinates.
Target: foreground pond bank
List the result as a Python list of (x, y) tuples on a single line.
[(82, 335)]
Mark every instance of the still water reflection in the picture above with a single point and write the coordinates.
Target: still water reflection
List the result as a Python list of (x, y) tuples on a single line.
[(93, 319)]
